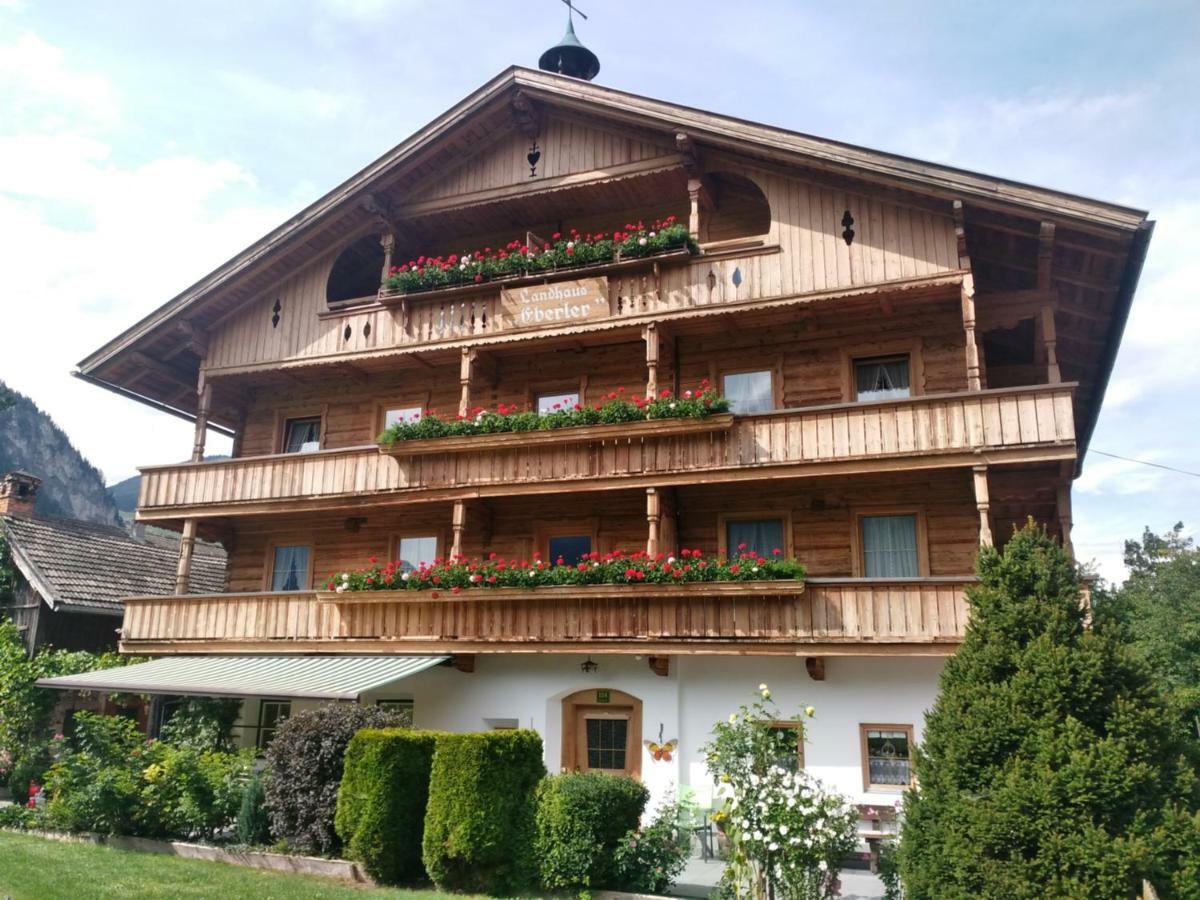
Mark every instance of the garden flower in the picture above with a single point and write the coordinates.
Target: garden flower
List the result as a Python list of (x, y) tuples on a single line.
[(809, 711)]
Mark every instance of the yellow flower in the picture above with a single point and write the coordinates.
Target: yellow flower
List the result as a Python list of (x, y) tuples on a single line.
[(766, 695), (762, 687), (725, 779), (733, 718), (809, 711)]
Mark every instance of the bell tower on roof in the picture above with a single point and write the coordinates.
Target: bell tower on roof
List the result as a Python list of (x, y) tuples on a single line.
[(569, 56)]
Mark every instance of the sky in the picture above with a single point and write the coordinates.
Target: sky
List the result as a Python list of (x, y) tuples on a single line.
[(144, 143)]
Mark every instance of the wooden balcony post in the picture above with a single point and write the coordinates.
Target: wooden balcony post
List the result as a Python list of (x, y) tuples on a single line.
[(187, 543), (695, 186), (203, 405), (458, 525), (466, 363), (1050, 340), (974, 381), (650, 335), (984, 505), (1064, 517), (653, 517), (388, 242)]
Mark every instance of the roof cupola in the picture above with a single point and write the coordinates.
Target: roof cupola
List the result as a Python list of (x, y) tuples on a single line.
[(569, 57)]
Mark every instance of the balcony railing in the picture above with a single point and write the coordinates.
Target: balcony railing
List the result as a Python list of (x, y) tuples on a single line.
[(921, 616), (1012, 424)]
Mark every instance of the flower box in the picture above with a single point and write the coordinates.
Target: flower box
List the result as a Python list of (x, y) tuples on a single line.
[(391, 295), (560, 593), (581, 434)]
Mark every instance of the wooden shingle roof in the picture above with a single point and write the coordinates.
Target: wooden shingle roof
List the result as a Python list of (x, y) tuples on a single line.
[(91, 567)]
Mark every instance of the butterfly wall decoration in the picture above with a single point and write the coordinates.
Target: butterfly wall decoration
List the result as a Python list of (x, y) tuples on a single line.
[(661, 751)]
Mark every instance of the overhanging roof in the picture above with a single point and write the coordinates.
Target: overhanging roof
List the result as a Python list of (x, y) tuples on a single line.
[(312, 677)]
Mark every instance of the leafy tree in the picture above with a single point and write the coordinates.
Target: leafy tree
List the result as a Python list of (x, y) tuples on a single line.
[(1051, 764), (205, 723), (1158, 611)]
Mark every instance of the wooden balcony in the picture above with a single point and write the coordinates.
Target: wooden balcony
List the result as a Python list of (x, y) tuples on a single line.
[(846, 617), (1028, 424)]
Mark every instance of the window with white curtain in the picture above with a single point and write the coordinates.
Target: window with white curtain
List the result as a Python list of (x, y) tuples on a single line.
[(407, 414), (888, 756), (761, 537), (749, 392), (557, 402), (302, 435), (890, 546), (417, 551), (289, 571), (881, 378)]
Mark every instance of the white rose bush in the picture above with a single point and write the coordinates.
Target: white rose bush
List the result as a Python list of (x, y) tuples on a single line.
[(788, 835)]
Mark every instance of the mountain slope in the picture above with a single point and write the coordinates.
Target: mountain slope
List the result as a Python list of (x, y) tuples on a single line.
[(31, 442)]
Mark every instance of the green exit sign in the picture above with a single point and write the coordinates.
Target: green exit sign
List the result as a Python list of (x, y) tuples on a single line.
[(601, 696)]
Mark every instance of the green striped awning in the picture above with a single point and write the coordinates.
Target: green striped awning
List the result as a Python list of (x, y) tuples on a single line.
[(316, 677)]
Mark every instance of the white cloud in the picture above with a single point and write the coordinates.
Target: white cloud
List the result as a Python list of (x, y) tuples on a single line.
[(99, 244)]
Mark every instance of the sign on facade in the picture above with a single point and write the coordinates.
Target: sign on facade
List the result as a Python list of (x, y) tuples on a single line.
[(559, 303)]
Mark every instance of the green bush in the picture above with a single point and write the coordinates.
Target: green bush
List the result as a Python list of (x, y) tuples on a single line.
[(252, 827), (1050, 765), (580, 820), (648, 860), (306, 759), (479, 826), (381, 804), (108, 779)]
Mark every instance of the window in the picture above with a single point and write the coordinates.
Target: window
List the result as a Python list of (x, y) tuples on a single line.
[(749, 392), (881, 378), (758, 536), (403, 708), (886, 756), (289, 568), (551, 403), (417, 551), (607, 740), (787, 749), (889, 546), (570, 547), (407, 414), (270, 714), (302, 435)]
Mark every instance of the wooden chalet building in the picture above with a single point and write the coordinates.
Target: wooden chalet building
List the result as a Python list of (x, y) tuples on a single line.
[(916, 357)]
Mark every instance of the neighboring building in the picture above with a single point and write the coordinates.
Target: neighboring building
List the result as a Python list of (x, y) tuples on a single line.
[(71, 576), (916, 356)]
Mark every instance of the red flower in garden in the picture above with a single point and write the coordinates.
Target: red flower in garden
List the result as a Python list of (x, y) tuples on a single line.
[(372, 559), (777, 551), (741, 546), (456, 590), (735, 568), (666, 392)]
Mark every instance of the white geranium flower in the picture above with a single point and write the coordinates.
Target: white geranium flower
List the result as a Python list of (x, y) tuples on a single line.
[(653, 233), (670, 560), (340, 588), (642, 242), (772, 846), (405, 576), (783, 829), (763, 686)]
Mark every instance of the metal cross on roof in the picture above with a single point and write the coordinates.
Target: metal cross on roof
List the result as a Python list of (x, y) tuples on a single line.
[(572, 8)]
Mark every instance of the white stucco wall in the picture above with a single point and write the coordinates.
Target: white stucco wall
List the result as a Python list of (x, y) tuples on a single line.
[(699, 691)]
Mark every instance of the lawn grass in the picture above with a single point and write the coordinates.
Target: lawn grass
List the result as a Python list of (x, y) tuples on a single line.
[(35, 868)]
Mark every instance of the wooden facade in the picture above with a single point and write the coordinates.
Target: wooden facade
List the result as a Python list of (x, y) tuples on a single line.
[(1004, 303)]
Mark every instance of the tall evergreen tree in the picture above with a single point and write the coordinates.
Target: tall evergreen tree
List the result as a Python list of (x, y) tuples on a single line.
[(1051, 765)]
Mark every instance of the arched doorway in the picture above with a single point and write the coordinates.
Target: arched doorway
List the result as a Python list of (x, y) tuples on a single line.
[(602, 732)]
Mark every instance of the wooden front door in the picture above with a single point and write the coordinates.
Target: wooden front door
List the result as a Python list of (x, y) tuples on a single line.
[(602, 739), (602, 732)]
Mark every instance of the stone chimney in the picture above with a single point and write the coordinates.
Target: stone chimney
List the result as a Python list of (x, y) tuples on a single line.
[(18, 493)]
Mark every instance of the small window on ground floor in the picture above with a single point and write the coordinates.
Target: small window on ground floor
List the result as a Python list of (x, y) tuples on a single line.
[(290, 567), (556, 401), (271, 714), (402, 708), (570, 548), (887, 761), (889, 546), (760, 537), (787, 750), (415, 551), (302, 435), (881, 378), (406, 414), (749, 392)]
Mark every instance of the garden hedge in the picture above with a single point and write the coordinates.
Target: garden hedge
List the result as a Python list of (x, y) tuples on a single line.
[(381, 804), (479, 825), (580, 820)]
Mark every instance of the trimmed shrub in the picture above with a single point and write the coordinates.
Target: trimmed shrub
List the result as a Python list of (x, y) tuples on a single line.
[(381, 805), (306, 759), (253, 830), (479, 826), (580, 820), (1051, 765)]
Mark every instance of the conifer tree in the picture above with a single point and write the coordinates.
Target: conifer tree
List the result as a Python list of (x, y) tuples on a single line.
[(1050, 765)]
